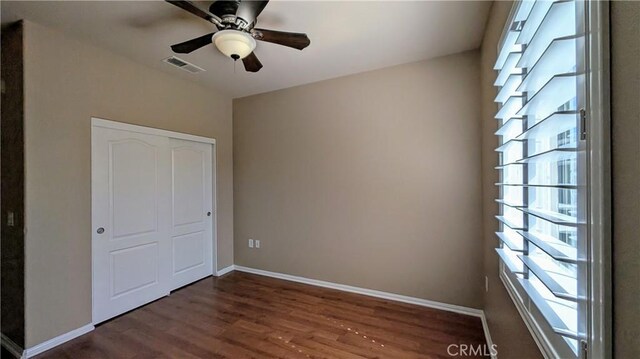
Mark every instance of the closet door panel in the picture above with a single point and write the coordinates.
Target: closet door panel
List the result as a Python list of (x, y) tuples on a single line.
[(192, 211), (131, 208)]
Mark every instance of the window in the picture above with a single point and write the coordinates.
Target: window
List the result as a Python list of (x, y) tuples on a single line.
[(546, 238)]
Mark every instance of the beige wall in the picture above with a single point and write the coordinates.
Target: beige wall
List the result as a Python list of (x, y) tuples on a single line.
[(507, 328), (369, 180), (67, 82), (625, 128)]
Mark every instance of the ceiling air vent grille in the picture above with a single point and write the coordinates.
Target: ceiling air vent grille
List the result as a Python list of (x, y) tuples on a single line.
[(180, 63)]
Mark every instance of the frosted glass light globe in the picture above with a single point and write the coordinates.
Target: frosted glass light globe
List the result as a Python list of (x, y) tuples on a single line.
[(234, 44)]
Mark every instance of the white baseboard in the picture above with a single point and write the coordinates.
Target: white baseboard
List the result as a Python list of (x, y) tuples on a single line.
[(54, 342), (223, 271), (11, 346), (487, 336), (370, 292)]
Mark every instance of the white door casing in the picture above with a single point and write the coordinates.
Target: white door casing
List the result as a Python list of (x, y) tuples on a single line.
[(151, 192)]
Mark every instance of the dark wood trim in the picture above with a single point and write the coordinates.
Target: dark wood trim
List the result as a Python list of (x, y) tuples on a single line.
[(12, 187)]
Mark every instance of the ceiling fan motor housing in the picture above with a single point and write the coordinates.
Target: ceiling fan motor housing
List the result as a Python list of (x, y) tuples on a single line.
[(224, 7)]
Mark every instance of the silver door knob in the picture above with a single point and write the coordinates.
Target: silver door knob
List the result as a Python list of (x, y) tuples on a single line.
[(100, 230)]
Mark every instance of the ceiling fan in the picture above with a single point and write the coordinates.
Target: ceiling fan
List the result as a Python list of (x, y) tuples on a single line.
[(235, 35)]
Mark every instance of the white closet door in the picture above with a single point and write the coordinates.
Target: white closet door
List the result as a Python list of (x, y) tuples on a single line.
[(192, 212), (131, 205)]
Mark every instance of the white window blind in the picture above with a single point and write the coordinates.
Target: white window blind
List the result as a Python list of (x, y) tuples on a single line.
[(542, 168)]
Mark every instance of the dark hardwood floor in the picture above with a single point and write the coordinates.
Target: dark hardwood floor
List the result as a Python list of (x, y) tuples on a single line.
[(242, 315)]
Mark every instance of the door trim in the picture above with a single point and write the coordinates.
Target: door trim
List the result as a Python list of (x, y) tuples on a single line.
[(98, 122), (109, 124)]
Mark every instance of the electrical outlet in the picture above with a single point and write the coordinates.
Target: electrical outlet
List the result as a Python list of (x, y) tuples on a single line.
[(250, 243), (486, 283), (257, 243)]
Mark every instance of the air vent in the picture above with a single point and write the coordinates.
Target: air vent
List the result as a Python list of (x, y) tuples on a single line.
[(180, 63)]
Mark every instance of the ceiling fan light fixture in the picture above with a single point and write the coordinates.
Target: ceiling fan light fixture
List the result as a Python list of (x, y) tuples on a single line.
[(234, 44)]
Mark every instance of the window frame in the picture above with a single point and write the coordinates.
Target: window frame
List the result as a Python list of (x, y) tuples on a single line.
[(597, 311)]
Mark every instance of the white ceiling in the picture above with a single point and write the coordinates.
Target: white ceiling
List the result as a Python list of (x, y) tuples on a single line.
[(346, 36)]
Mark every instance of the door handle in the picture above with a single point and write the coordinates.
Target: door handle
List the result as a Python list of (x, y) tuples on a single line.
[(208, 214), (100, 230)]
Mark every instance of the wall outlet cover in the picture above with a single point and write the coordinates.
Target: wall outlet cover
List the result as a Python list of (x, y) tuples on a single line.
[(250, 243)]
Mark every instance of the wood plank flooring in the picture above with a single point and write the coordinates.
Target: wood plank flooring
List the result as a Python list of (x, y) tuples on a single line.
[(243, 315)]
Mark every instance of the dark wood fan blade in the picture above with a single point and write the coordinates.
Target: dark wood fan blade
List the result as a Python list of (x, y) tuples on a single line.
[(190, 7), (193, 44), (251, 63), (291, 39), (248, 10)]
